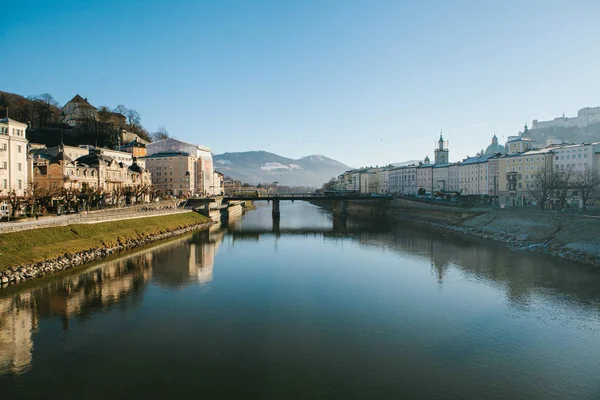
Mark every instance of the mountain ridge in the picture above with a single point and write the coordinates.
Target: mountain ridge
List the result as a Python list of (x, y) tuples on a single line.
[(259, 166)]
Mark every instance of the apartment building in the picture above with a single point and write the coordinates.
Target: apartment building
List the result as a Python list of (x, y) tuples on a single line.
[(516, 175), (203, 178), (174, 173), (13, 157)]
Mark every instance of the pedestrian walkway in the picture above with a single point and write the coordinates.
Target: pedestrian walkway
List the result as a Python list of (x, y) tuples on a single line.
[(139, 211)]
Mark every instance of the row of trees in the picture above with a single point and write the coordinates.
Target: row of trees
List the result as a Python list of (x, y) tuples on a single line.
[(39, 111), (563, 185), (39, 199)]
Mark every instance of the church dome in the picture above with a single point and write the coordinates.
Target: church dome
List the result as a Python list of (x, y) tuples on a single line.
[(495, 147)]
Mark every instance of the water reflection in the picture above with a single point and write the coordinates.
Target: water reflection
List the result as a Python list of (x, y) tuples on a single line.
[(307, 308), (522, 275), (18, 320), (119, 282), (188, 262)]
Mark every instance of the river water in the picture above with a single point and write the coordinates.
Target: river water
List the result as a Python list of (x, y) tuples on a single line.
[(312, 308)]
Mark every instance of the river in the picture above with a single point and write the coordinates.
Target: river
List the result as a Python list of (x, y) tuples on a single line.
[(311, 308)]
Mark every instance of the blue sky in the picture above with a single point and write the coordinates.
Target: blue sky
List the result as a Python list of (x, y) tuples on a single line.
[(364, 82)]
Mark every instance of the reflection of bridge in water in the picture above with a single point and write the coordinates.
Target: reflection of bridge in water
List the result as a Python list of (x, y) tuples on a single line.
[(339, 227)]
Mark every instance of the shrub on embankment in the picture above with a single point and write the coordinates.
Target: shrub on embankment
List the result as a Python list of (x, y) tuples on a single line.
[(37, 245)]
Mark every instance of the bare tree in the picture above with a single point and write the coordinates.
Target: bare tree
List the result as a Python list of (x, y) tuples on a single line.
[(85, 195), (586, 183), (117, 194), (121, 109), (69, 195), (563, 186), (36, 196), (44, 109), (15, 202), (133, 120), (140, 191), (160, 134), (89, 118), (96, 197), (542, 187)]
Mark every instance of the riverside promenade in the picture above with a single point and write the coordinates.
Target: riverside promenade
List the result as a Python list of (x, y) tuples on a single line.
[(92, 217)]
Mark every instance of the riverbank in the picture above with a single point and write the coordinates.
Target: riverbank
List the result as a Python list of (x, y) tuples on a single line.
[(569, 237), (35, 253)]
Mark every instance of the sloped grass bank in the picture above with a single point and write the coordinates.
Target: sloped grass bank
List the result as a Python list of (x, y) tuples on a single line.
[(38, 245)]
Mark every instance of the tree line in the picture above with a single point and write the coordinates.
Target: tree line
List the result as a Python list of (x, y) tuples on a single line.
[(42, 113), (561, 185), (40, 199)]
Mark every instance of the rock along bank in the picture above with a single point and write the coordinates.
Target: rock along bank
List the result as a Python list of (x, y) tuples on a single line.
[(567, 236)]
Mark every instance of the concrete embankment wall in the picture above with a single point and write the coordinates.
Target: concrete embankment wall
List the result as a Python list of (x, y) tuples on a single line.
[(401, 209), (566, 236)]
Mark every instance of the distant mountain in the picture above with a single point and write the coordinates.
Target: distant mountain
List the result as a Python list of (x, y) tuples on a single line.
[(590, 133), (409, 162), (264, 167)]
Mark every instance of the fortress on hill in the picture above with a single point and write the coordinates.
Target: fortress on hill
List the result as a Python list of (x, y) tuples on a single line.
[(586, 116)]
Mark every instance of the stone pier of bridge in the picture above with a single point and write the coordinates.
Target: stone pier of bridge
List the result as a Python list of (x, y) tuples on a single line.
[(275, 212)]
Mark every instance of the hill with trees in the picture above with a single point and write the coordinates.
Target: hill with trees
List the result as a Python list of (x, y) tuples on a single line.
[(42, 114)]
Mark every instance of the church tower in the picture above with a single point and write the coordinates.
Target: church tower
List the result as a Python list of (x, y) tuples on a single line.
[(441, 153)]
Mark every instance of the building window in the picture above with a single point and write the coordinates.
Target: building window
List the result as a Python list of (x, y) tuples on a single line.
[(19, 148), (5, 184), (20, 184), (4, 165), (19, 167)]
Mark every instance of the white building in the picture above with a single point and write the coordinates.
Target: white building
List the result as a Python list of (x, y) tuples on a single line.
[(14, 173), (578, 157), (78, 111), (403, 180), (586, 116)]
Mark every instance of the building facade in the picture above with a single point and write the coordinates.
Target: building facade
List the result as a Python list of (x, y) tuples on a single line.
[(425, 176), (585, 116), (441, 177), (78, 111), (57, 173), (403, 180), (454, 178), (14, 165), (516, 175), (174, 173), (203, 171)]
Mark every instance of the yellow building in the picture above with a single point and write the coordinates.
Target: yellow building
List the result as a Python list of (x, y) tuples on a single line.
[(174, 173), (97, 171), (516, 173)]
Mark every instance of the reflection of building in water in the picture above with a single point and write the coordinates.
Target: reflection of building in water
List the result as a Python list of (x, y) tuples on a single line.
[(187, 262), (97, 289), (77, 295), (18, 320), (521, 275)]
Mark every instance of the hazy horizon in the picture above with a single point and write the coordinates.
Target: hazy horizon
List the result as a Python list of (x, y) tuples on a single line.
[(364, 83)]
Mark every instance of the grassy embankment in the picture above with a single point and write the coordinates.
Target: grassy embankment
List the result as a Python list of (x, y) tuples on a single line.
[(36, 245)]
